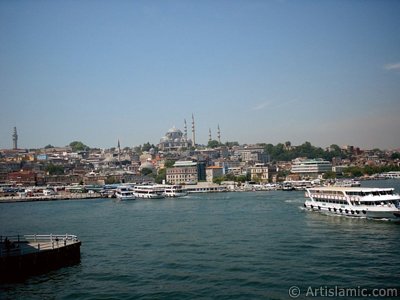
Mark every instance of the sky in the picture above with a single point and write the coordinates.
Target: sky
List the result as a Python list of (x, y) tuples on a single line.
[(265, 71)]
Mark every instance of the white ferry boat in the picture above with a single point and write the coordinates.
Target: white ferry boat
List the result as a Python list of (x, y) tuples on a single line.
[(124, 193), (174, 191), (372, 203), (148, 192)]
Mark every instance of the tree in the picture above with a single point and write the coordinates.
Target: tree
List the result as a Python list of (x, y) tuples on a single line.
[(78, 146), (54, 170), (218, 180), (48, 146), (162, 175), (169, 163), (353, 171), (231, 144), (395, 155), (213, 144), (146, 171), (147, 146), (330, 175)]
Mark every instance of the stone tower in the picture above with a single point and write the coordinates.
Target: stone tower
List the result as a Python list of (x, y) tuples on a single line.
[(15, 139)]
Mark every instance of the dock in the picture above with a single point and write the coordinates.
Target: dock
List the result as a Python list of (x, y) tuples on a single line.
[(25, 255)]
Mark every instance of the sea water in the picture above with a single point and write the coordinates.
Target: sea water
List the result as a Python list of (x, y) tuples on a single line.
[(251, 245)]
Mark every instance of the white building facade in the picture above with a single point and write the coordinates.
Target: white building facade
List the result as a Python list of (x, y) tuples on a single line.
[(310, 167)]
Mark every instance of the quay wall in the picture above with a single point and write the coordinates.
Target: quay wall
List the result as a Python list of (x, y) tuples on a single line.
[(19, 267), (50, 197)]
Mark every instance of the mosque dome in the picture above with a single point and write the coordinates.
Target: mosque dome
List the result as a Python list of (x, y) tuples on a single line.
[(174, 129), (173, 139)]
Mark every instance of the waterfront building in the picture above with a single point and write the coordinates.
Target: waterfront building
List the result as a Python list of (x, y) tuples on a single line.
[(213, 172), (23, 178), (252, 153), (262, 172), (183, 172), (310, 167)]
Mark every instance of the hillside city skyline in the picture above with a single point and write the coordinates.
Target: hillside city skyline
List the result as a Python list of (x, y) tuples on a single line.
[(264, 71), (14, 142)]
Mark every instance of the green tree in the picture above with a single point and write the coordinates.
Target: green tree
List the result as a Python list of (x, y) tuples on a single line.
[(395, 155), (169, 163), (329, 175), (78, 146), (213, 144), (54, 169), (231, 144), (162, 175), (353, 171), (146, 171), (147, 146), (218, 180), (48, 146)]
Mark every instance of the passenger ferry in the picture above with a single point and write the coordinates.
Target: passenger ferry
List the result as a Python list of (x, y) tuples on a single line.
[(371, 203), (148, 192), (174, 191), (124, 193)]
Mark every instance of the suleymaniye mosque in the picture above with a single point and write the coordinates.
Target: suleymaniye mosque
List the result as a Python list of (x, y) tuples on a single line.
[(175, 139)]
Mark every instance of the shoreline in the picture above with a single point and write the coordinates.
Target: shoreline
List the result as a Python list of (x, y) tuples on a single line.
[(84, 196)]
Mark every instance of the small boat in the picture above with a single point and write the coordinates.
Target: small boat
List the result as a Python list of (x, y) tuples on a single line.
[(287, 186), (124, 193)]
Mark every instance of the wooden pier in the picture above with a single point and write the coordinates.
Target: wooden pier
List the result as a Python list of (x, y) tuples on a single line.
[(21, 256)]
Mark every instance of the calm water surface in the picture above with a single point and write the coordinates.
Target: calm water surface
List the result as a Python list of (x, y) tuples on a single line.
[(211, 246)]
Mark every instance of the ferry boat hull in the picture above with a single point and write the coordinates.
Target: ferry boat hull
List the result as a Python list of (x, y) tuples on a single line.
[(368, 203)]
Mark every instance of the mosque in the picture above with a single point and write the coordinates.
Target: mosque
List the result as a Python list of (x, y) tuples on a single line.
[(175, 139)]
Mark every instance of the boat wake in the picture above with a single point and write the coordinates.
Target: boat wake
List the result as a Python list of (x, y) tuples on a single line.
[(294, 201)]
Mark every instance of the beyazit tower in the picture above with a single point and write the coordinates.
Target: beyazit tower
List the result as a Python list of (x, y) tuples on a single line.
[(15, 139)]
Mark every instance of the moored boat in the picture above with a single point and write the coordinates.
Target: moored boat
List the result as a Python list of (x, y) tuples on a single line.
[(148, 192), (174, 191), (124, 193), (371, 203)]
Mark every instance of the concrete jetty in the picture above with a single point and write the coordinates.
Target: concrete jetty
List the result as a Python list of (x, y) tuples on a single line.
[(21, 256)]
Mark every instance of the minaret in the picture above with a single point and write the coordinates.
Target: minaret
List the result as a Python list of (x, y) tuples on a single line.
[(184, 129), (209, 135), (219, 135), (15, 139), (193, 133), (119, 153)]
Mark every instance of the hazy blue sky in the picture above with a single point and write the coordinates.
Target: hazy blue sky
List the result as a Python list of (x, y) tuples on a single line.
[(265, 71)]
